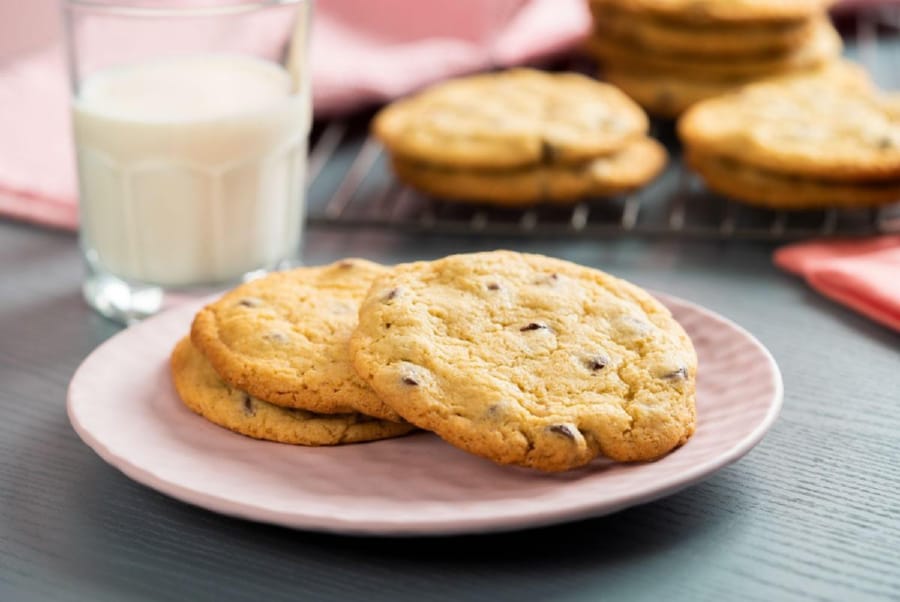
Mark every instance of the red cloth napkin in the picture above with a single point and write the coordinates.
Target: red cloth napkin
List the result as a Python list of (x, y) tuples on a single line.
[(864, 275), (362, 52)]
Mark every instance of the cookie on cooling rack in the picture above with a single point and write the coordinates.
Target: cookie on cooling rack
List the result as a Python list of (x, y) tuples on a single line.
[(821, 46), (668, 54), (668, 95), (765, 188), (676, 35), (519, 137), (512, 119), (528, 360), (797, 143), (630, 168), (719, 13)]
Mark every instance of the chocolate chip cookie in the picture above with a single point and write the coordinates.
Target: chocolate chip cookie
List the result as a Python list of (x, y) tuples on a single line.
[(774, 190), (701, 12), (822, 46), (511, 119), (528, 360), (201, 390), (798, 143), (668, 95), (669, 54), (810, 127), (283, 338), (719, 38), (630, 168)]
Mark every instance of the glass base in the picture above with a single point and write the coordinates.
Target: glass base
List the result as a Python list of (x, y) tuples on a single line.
[(128, 302), (122, 301)]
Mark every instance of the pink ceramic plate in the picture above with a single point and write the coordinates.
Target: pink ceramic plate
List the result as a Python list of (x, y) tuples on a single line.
[(123, 405)]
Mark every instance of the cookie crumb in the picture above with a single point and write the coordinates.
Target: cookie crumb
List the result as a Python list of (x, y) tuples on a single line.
[(548, 152)]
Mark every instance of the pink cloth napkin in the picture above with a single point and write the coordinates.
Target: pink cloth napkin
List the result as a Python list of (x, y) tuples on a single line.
[(864, 275), (362, 53)]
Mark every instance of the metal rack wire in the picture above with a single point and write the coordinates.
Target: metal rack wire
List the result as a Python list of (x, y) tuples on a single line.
[(351, 185)]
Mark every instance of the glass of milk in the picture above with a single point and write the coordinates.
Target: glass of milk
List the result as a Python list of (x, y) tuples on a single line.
[(191, 120)]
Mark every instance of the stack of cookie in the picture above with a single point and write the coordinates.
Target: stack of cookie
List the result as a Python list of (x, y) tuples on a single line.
[(521, 359), (798, 143), (269, 360), (520, 137), (669, 54)]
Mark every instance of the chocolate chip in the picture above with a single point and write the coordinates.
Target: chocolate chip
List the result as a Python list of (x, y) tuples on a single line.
[(250, 302), (278, 337), (665, 98), (388, 326), (494, 410), (391, 294), (563, 429), (533, 326), (408, 380), (885, 142), (248, 406), (598, 362), (679, 374), (346, 264), (493, 286), (548, 152)]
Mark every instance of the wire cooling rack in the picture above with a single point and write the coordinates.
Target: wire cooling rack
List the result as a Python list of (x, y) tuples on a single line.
[(351, 185)]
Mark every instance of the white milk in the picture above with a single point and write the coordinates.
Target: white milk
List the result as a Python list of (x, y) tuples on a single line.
[(191, 169)]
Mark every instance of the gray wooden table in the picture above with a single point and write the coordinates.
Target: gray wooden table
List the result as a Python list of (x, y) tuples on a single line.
[(810, 514)]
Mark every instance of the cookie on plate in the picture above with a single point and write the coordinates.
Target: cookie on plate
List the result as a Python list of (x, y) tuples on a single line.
[(201, 390), (630, 168), (797, 143), (528, 360), (510, 119), (283, 338)]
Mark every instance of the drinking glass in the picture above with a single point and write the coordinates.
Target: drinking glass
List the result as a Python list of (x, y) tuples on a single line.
[(190, 122)]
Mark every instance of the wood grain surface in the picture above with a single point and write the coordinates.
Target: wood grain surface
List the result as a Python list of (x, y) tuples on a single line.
[(810, 514)]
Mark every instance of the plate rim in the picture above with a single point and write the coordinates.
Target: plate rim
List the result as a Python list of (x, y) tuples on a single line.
[(197, 497)]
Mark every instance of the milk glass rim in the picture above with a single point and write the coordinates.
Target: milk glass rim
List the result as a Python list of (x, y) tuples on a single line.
[(132, 9)]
